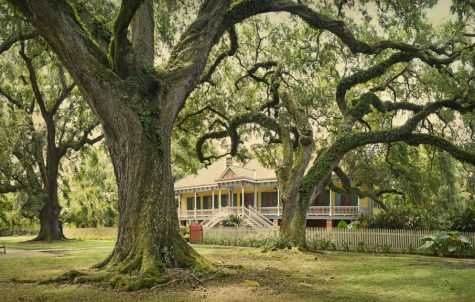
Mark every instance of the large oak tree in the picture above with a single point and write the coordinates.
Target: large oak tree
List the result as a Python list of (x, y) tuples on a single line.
[(137, 100), (42, 120), (427, 89)]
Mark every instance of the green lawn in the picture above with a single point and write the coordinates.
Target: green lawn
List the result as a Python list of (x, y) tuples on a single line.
[(252, 276)]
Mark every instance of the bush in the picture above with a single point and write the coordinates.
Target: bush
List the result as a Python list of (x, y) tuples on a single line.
[(342, 224), (321, 244), (361, 247), (464, 219), (403, 218), (233, 221), (447, 244)]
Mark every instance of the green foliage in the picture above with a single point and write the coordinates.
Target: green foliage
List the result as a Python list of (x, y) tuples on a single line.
[(460, 217), (346, 246), (361, 247), (233, 221), (39, 107), (409, 250), (276, 245), (382, 248), (321, 244), (90, 192), (402, 218), (185, 232), (342, 224), (447, 244), (463, 219)]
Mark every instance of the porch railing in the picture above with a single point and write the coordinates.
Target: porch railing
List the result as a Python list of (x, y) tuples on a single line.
[(345, 210), (275, 211), (270, 211), (318, 210)]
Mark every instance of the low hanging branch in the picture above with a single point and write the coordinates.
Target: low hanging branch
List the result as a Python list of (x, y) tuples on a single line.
[(348, 188)]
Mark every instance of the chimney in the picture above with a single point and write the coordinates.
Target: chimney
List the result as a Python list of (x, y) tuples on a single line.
[(229, 161)]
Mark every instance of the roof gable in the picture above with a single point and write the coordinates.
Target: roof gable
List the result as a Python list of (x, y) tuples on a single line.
[(229, 173), (211, 175)]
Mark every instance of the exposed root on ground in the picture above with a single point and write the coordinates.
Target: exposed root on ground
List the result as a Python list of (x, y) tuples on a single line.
[(36, 240), (134, 282), (189, 277)]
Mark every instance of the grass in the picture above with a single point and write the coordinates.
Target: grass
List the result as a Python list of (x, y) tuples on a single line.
[(256, 276)]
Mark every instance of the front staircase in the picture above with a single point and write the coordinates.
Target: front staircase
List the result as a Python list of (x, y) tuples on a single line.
[(250, 215)]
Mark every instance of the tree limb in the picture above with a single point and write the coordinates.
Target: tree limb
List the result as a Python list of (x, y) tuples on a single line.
[(7, 43), (233, 38), (121, 47), (78, 144)]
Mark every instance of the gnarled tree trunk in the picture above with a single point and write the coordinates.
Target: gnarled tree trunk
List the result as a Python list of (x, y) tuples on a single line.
[(50, 224), (148, 235)]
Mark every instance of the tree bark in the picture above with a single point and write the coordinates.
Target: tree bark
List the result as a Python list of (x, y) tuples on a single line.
[(148, 234), (50, 225)]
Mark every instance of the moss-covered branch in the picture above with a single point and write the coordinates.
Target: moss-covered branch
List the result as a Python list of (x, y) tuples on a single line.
[(232, 128), (233, 39), (245, 9), (366, 75), (120, 46), (96, 28), (348, 188)]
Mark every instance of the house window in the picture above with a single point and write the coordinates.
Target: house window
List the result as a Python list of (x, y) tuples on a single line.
[(337, 199), (354, 200), (224, 200), (207, 202), (268, 199), (198, 203), (346, 199), (190, 203), (216, 202), (323, 199)]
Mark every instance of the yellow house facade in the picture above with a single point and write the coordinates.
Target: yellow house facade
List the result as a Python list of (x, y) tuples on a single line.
[(252, 191)]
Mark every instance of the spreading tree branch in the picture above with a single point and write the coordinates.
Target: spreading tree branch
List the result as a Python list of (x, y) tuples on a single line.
[(17, 37), (78, 144), (233, 38)]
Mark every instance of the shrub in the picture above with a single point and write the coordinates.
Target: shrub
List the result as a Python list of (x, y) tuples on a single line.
[(386, 248), (346, 246), (464, 219), (447, 244), (342, 224), (233, 221), (321, 244), (361, 247)]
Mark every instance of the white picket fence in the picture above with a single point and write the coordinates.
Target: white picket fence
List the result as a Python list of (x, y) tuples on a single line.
[(397, 240)]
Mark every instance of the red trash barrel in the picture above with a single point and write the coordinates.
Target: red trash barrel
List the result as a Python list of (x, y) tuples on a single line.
[(196, 232)]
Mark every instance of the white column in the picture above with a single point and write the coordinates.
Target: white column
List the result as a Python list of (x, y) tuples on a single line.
[(242, 199), (212, 201), (219, 198), (255, 196), (195, 205), (358, 209), (278, 201), (332, 194), (179, 202)]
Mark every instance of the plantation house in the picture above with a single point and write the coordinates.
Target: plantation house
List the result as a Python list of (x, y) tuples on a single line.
[(252, 192)]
